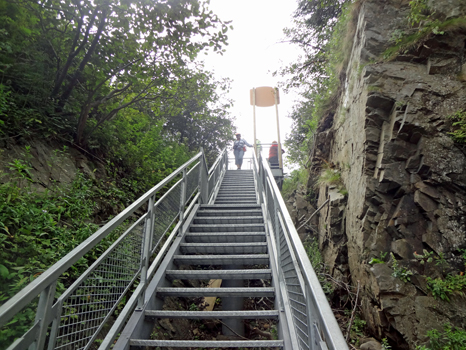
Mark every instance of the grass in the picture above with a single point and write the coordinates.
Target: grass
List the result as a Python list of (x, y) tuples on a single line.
[(405, 43), (329, 177)]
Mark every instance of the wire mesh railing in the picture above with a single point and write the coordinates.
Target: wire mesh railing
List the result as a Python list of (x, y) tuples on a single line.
[(216, 171), (166, 210), (90, 301), (312, 324), (74, 320)]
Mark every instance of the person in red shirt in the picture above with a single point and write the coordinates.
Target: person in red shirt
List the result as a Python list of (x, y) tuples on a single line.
[(273, 154)]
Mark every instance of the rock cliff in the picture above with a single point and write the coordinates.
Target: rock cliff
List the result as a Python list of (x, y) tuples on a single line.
[(405, 177)]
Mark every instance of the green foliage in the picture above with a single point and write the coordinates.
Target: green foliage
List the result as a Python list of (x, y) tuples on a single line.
[(380, 259), (400, 272), (459, 126), (357, 328), (443, 289), (329, 177), (37, 229), (320, 31), (293, 181), (452, 338), (69, 69), (141, 153), (427, 25), (385, 344), (428, 257), (193, 307), (419, 12), (376, 261), (315, 257)]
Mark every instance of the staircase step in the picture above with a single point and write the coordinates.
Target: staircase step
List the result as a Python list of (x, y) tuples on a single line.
[(240, 259), (238, 179), (196, 315), (216, 292), (219, 220), (266, 344), (227, 228), (225, 237), (219, 274), (248, 212), (234, 199), (228, 206), (224, 248), (223, 201), (237, 184), (235, 194)]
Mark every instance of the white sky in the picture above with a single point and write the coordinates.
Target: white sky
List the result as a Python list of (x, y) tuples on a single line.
[(253, 53)]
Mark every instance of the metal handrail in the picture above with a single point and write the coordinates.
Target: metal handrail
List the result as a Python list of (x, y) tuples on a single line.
[(135, 246), (322, 330)]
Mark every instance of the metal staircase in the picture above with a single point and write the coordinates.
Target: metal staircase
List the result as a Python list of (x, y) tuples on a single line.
[(225, 240), (228, 225)]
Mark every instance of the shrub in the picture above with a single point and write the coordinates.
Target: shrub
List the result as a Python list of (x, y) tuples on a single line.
[(459, 126), (452, 338), (315, 257), (442, 289), (293, 181)]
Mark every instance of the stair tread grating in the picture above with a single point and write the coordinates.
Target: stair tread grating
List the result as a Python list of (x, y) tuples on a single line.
[(266, 344), (243, 314), (219, 292), (220, 274), (233, 259)]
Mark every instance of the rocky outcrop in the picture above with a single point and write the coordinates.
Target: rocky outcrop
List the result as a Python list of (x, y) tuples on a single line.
[(45, 164), (405, 177)]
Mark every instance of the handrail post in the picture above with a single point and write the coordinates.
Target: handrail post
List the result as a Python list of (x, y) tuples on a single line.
[(203, 180), (184, 186), (259, 179), (43, 315), (226, 160), (146, 248)]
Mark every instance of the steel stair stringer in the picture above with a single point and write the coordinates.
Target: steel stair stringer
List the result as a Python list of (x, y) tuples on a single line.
[(137, 326)]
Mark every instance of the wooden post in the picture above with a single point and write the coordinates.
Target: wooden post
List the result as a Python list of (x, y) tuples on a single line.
[(280, 162), (254, 117)]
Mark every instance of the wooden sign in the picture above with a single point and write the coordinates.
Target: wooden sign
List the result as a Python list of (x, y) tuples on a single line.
[(264, 96)]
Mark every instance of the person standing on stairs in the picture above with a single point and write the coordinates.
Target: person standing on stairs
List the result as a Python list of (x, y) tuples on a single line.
[(239, 147), (273, 154)]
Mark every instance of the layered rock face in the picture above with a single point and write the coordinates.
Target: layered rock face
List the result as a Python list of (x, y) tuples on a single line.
[(405, 177)]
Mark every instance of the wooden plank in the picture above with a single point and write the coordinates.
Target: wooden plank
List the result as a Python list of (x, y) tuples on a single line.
[(209, 302)]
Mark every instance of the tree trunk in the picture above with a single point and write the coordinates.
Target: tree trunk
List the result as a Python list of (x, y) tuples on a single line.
[(71, 85)]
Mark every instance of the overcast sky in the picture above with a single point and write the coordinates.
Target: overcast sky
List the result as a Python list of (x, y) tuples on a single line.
[(254, 51)]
